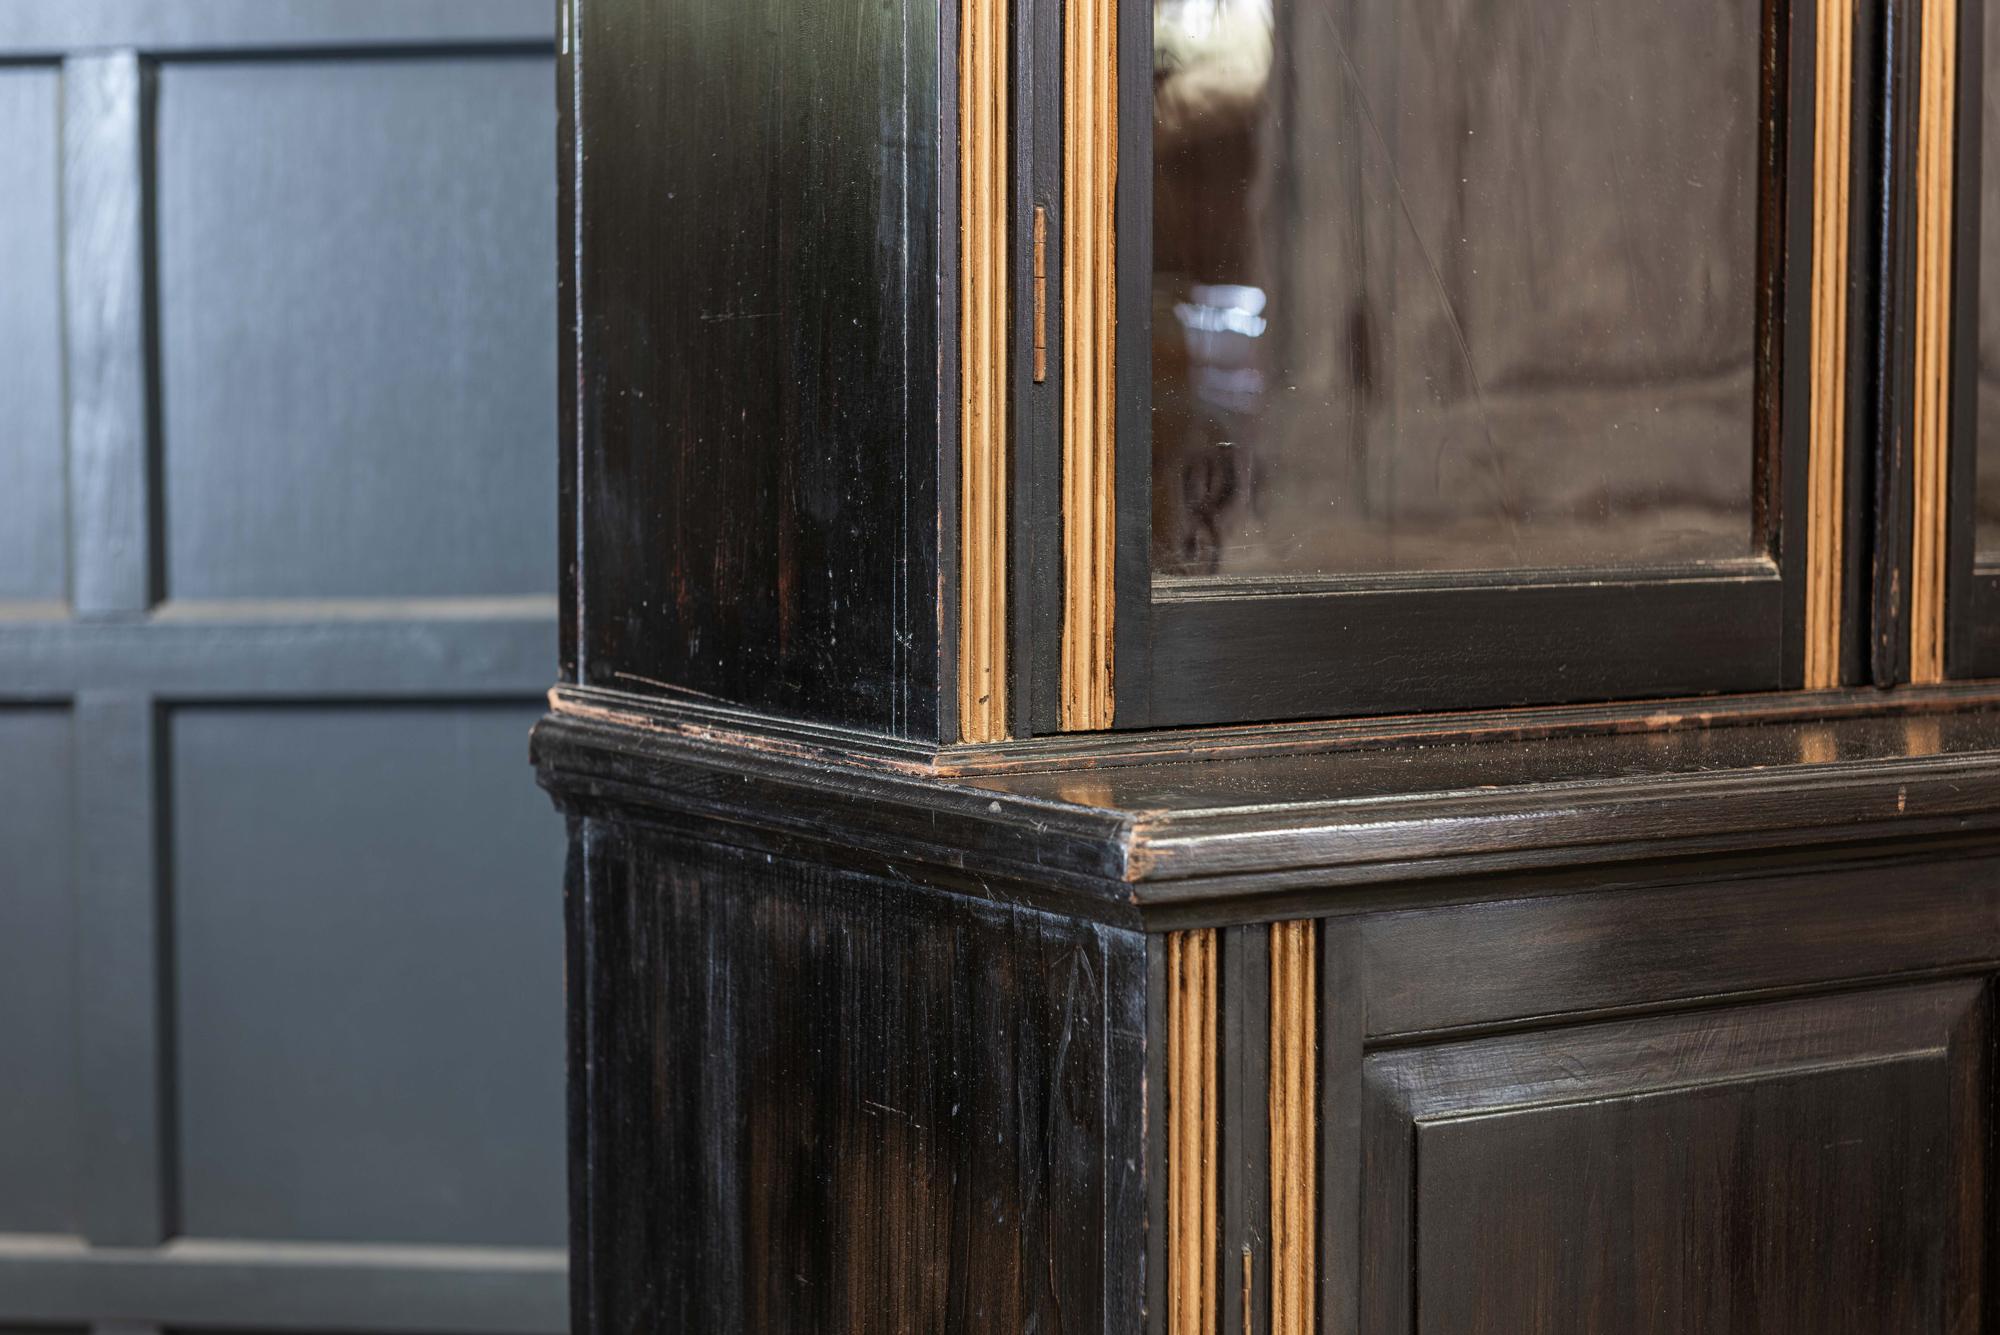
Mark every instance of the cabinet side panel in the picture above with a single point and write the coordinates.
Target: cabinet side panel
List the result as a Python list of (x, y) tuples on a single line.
[(758, 287), (820, 1101)]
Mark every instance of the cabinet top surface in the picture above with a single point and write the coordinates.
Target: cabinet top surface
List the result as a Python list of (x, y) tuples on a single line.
[(1202, 816)]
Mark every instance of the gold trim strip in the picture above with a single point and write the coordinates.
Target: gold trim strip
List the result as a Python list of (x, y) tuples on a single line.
[(1931, 434), (1827, 451), (982, 343), (1294, 1124), (1090, 321), (1192, 1115)]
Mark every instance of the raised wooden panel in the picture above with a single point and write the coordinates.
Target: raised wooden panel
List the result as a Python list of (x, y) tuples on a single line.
[(1805, 1166), (357, 326), (38, 1108), (32, 532), (368, 993), (1514, 959)]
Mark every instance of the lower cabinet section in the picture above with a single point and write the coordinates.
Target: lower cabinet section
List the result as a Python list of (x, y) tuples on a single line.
[(814, 1097), (1690, 1108)]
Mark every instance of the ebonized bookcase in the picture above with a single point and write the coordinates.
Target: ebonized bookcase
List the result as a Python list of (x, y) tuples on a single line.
[(1237, 666)]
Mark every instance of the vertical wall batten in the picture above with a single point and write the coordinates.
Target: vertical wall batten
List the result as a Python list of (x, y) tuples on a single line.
[(105, 135), (1090, 323), (1191, 1133), (1930, 434), (982, 507), (1826, 486)]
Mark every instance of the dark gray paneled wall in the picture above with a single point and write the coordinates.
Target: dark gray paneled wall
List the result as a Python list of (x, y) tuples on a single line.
[(280, 993), (373, 214)]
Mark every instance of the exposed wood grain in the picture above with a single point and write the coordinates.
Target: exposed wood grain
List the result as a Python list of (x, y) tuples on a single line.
[(1191, 1133), (982, 501), (1930, 435), (1294, 1124), (1827, 448), (820, 1101), (1090, 321)]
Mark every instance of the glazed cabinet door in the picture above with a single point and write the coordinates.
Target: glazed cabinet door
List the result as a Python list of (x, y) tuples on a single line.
[(1813, 1166), (1954, 403), (1475, 370), (1371, 359)]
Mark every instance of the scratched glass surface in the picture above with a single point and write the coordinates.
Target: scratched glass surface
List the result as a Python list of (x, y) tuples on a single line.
[(1986, 427), (1453, 285)]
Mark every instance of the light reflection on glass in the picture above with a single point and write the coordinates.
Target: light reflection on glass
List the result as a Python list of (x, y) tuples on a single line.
[(1451, 285)]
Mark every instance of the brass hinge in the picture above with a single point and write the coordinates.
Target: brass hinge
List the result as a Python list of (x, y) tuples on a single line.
[(1041, 294)]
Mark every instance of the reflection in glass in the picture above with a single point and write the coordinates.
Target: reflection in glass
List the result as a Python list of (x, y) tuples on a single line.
[(1986, 409), (1453, 285)]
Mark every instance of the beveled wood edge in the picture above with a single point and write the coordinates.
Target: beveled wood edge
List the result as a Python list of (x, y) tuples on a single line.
[(1294, 1125), (1930, 438), (1827, 433), (1193, 1114), (1090, 319), (1259, 860), (704, 718), (983, 380)]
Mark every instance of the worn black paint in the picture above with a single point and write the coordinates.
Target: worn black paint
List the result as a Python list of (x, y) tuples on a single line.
[(818, 1101), (759, 393), (1380, 652)]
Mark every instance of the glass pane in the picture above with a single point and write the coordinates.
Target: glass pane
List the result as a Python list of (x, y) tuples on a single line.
[(1453, 285), (1987, 403)]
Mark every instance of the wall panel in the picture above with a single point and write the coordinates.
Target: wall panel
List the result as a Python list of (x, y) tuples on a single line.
[(31, 381), (357, 317)]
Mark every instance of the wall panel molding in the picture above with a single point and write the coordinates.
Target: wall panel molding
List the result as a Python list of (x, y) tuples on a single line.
[(181, 27), (274, 1286)]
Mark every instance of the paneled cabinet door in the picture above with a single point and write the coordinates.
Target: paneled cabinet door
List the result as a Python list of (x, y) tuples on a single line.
[(1811, 1166)]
